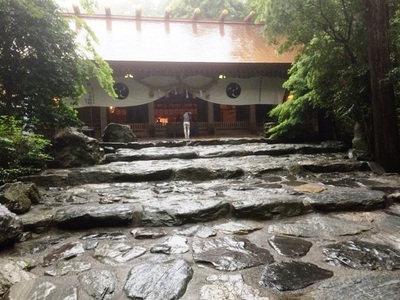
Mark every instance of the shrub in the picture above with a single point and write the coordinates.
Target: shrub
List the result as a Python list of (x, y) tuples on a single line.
[(21, 153)]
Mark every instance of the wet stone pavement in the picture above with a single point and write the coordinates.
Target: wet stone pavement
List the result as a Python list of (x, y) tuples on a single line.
[(210, 219)]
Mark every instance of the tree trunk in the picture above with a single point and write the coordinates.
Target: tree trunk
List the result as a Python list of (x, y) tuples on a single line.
[(386, 133)]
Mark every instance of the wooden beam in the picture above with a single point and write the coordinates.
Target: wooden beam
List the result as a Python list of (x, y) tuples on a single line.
[(223, 15), (138, 11), (196, 14), (167, 13), (249, 17), (108, 11), (76, 9)]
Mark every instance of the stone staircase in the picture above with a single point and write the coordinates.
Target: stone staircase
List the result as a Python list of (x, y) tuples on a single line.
[(213, 219)]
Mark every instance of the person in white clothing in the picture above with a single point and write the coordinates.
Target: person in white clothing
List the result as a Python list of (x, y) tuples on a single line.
[(186, 124)]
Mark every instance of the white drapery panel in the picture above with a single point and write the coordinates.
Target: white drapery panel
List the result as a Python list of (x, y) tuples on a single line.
[(137, 94), (256, 90), (228, 91)]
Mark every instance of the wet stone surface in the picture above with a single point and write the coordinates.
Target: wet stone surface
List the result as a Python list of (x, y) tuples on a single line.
[(230, 254), (66, 251), (207, 219), (40, 288), (228, 287), (154, 281), (99, 284), (289, 246), (116, 253), (319, 226), (363, 255), (364, 287), (293, 275)]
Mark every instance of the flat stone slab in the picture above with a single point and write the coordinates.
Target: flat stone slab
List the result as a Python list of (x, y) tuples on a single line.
[(289, 246), (393, 210), (38, 219), (200, 231), (13, 271), (390, 224), (229, 287), (289, 276), (360, 287), (175, 244), (155, 281), (88, 216), (99, 284), (340, 199), (318, 226), (104, 236), (147, 154), (44, 288), (230, 253), (67, 267), (66, 251), (173, 213), (269, 206), (148, 233), (242, 227), (363, 255), (117, 253)]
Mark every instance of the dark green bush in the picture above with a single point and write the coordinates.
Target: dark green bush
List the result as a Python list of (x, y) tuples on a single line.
[(21, 153)]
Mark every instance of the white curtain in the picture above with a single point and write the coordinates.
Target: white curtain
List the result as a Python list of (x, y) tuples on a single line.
[(138, 94), (229, 91), (256, 90)]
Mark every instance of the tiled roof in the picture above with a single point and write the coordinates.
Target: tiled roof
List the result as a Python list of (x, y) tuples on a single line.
[(161, 40)]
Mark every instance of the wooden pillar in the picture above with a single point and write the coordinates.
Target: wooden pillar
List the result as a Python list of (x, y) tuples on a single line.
[(151, 113), (210, 112), (103, 119), (152, 129), (210, 118), (252, 118)]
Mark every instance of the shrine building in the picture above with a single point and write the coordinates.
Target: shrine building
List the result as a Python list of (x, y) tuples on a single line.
[(222, 71)]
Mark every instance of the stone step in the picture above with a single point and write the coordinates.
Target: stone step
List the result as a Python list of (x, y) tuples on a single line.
[(206, 149), (200, 169), (298, 225), (175, 192), (181, 202), (191, 142)]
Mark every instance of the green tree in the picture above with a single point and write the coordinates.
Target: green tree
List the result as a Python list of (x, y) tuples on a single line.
[(20, 154), (332, 70), (41, 63), (210, 9)]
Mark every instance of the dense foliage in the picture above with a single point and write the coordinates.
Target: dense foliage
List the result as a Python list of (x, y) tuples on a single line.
[(210, 9), (41, 63), (332, 71), (21, 153)]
